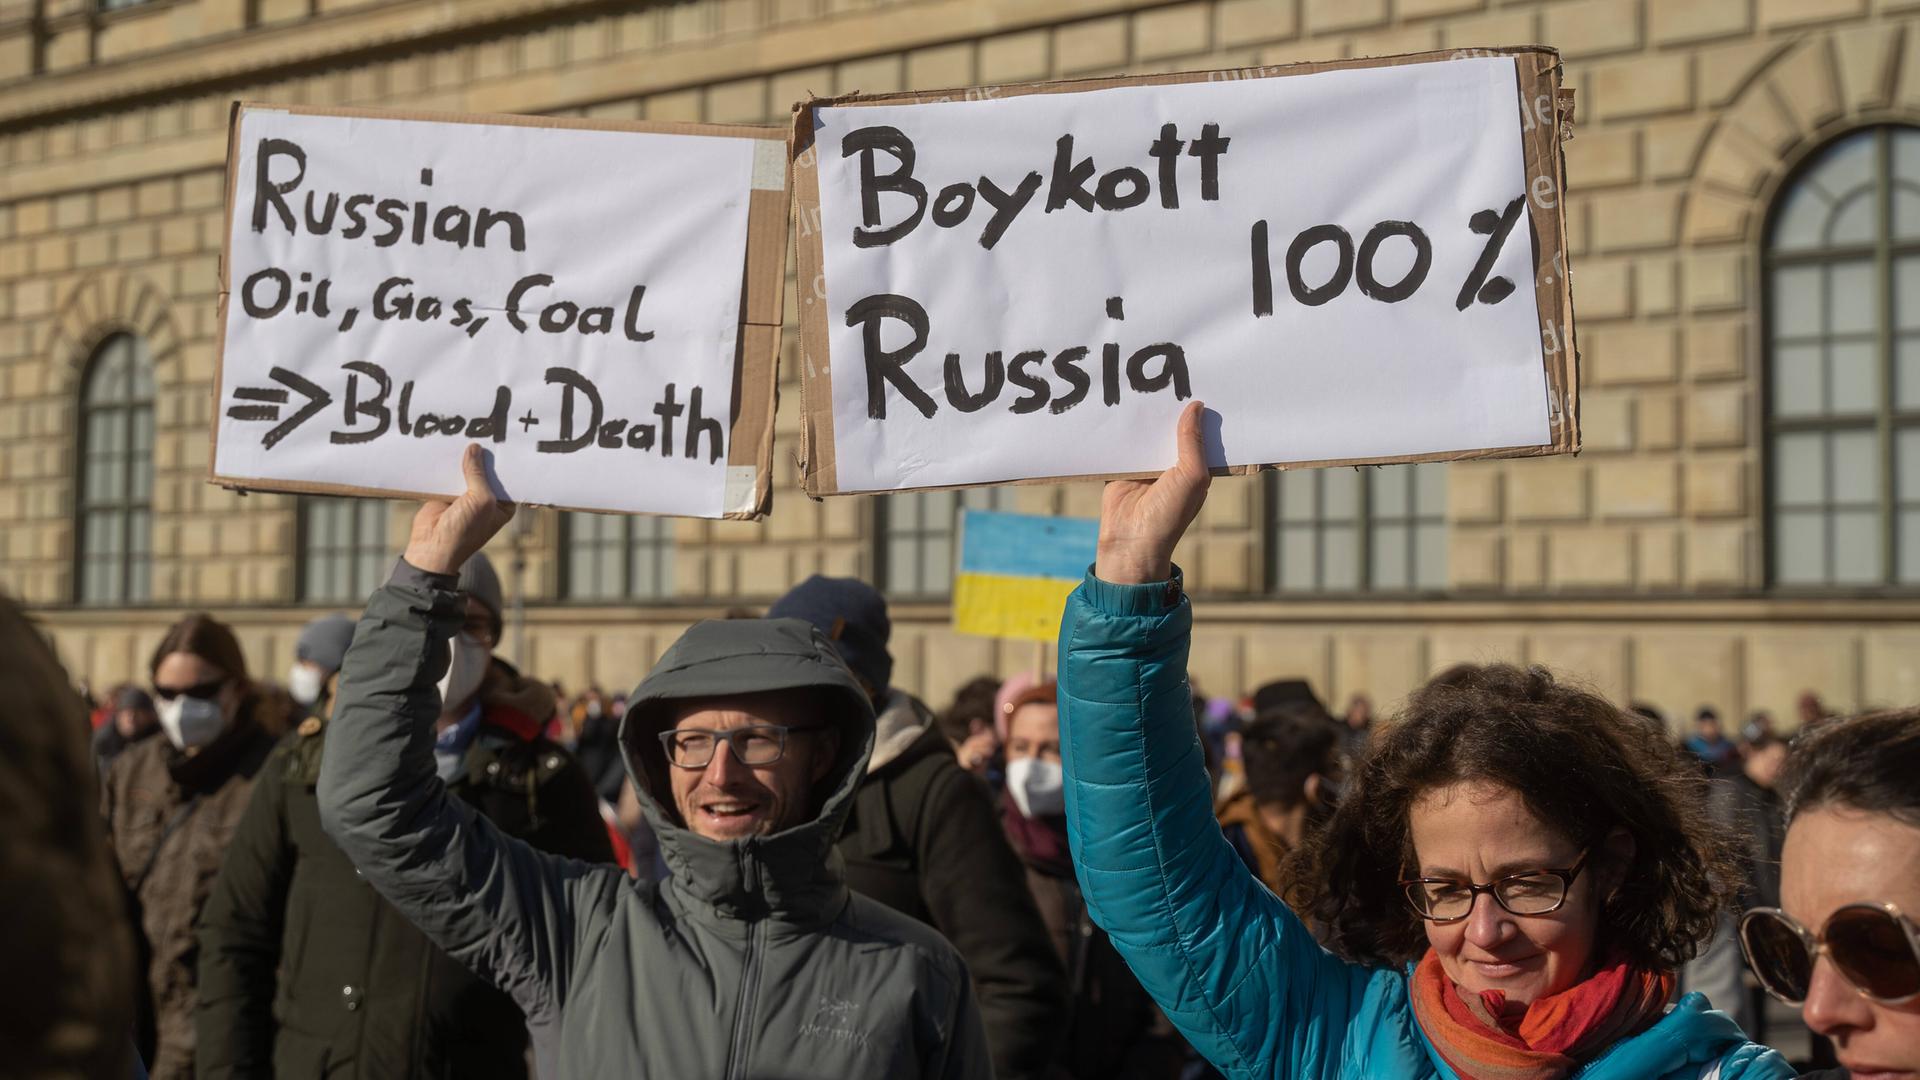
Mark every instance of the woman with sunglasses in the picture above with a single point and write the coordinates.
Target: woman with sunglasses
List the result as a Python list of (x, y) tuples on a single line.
[(1514, 873), (171, 806), (1849, 893)]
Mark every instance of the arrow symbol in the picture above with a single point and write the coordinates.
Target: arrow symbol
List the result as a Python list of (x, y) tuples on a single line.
[(1495, 226), (317, 399)]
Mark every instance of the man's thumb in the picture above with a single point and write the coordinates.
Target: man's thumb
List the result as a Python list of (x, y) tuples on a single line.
[(1192, 444), (473, 464)]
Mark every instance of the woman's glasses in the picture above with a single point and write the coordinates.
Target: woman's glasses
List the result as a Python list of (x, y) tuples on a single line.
[(1873, 946), (1533, 892)]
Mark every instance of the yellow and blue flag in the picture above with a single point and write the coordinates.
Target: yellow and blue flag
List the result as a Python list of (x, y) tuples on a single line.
[(1016, 571)]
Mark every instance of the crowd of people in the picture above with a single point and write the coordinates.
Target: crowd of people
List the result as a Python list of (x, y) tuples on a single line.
[(405, 857)]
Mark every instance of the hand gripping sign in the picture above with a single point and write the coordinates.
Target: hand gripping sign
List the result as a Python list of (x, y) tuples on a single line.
[(598, 303), (1349, 262)]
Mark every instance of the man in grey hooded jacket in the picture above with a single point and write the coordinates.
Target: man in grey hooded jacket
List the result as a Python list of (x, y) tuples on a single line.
[(752, 959)]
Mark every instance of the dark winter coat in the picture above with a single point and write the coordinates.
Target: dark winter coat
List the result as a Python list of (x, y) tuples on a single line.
[(306, 971), (923, 839), (751, 960), (171, 818)]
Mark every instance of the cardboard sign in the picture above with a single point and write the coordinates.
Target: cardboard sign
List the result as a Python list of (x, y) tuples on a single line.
[(1016, 571), (1348, 262), (596, 303)]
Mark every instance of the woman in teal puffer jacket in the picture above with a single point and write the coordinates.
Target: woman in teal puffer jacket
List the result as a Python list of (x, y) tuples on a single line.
[(1508, 887)]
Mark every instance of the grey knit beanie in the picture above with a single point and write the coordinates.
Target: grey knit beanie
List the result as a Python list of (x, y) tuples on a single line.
[(478, 580)]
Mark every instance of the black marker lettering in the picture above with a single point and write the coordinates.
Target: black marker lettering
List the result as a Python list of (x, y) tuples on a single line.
[(884, 366), (267, 193), (866, 142)]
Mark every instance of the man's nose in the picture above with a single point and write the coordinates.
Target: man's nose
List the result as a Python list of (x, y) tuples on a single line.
[(724, 766), (1832, 1004)]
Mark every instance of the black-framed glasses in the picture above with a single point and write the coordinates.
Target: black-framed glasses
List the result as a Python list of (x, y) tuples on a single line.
[(1874, 947), (759, 744), (209, 689), (1532, 892)]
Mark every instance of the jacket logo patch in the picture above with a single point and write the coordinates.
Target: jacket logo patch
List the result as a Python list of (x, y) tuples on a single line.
[(833, 1018)]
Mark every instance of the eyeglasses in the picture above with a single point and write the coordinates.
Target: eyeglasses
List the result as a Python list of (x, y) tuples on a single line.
[(207, 689), (1873, 946), (761, 744), (1535, 892)]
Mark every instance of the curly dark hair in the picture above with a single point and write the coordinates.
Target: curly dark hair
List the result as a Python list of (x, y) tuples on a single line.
[(1581, 764)]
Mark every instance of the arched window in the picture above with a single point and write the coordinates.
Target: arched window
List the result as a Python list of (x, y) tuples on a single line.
[(1843, 365), (115, 527)]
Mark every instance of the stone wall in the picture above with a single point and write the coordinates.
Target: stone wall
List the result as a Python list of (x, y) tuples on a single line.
[(1639, 564)]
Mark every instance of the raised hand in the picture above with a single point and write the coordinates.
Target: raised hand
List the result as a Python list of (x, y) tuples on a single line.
[(1141, 520), (446, 534)]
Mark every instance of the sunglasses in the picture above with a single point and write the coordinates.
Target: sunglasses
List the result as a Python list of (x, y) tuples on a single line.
[(1872, 946)]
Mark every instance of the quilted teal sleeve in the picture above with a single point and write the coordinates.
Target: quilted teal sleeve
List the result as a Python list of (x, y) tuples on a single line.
[(1229, 963)]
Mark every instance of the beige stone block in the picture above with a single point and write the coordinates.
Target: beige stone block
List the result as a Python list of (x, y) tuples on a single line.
[(32, 217), (1717, 416), (179, 236), (1015, 57), (797, 519), (1716, 280), (1603, 288), (1527, 560), (1486, 31), (1326, 16), (73, 211), (1865, 61), (1659, 420), (1716, 487), (1716, 349), (1642, 87), (874, 75), (1778, 13), (764, 571), (1476, 559), (1179, 30), (53, 254), (1713, 216), (1606, 421), (1783, 664), (1629, 353), (741, 101), (1891, 667), (1594, 27), (943, 67), (1601, 159), (1684, 21), (1656, 285), (1090, 46), (1629, 220), (1229, 563), (1396, 42), (1422, 9), (1474, 492), (1808, 86), (1659, 557), (1679, 672), (1241, 22), (789, 88), (1594, 659), (1385, 665), (1590, 558), (1717, 555), (133, 243), (674, 105), (1551, 489), (1670, 147), (157, 197), (1636, 488)]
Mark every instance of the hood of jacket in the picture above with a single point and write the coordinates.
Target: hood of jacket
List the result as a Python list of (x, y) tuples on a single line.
[(793, 874), (903, 718)]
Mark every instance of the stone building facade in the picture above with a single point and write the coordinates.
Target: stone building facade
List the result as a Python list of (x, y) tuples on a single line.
[(1720, 541)]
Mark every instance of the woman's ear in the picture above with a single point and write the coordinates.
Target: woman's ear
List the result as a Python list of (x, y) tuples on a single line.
[(1616, 853)]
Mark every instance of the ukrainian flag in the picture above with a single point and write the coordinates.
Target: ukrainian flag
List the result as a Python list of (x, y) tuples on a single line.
[(1016, 571)]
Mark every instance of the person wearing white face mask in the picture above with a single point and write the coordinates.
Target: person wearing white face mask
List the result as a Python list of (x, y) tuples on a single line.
[(171, 806), (1115, 1029), (316, 657)]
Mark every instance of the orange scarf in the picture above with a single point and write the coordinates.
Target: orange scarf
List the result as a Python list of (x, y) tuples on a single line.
[(1483, 1039)]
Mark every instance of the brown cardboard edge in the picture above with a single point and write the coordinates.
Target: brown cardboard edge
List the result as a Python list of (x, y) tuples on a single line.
[(1540, 150), (763, 274)]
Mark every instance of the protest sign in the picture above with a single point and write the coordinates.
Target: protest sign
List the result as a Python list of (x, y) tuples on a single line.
[(597, 303), (1349, 262), (1016, 571)]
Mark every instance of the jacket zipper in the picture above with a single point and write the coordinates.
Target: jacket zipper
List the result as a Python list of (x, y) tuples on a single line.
[(749, 978)]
